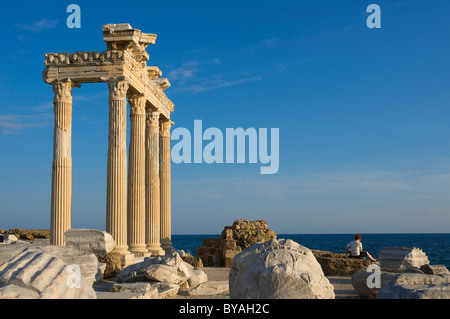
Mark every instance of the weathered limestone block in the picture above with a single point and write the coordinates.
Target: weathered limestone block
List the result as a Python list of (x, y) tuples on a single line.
[(90, 240), (196, 276), (339, 264), (398, 259), (143, 288), (417, 286), (229, 256), (169, 269), (359, 283), (166, 290), (113, 264), (17, 292), (193, 261), (46, 275), (147, 290), (87, 262), (434, 269), (208, 288), (8, 239), (278, 269)]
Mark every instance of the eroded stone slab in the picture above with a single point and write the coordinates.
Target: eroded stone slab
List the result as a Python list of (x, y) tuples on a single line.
[(278, 269)]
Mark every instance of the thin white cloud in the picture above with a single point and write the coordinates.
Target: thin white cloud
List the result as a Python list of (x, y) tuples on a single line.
[(357, 184), (13, 124), (38, 25), (189, 77), (210, 85), (185, 72)]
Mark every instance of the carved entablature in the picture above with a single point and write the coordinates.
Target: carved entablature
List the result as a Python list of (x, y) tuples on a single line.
[(57, 59), (163, 83), (86, 58), (125, 57), (164, 128), (153, 72), (124, 37)]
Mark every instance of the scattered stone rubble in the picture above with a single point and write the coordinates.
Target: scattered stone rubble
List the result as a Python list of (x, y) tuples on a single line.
[(406, 273), (27, 234)]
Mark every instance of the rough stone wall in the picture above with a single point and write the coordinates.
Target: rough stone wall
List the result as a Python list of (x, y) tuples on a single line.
[(339, 264), (236, 238), (27, 234)]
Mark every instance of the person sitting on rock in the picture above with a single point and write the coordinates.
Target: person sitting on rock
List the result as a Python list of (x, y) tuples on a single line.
[(355, 249)]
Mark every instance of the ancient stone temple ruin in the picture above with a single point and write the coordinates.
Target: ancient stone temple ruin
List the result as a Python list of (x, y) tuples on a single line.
[(138, 211)]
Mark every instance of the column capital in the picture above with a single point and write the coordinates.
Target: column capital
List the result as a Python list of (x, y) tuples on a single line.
[(137, 104), (118, 89), (165, 127), (153, 118), (63, 90)]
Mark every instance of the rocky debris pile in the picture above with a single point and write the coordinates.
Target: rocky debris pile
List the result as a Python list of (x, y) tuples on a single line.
[(27, 234), (193, 261), (395, 261), (278, 269), (113, 264), (234, 239), (417, 286), (32, 273), (169, 268), (339, 264), (147, 290), (208, 288)]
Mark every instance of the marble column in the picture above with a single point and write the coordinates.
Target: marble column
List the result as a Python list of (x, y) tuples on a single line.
[(136, 176), (164, 173), (116, 195), (152, 184), (61, 200)]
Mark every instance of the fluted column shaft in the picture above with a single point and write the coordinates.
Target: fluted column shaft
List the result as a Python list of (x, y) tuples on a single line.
[(116, 195), (164, 173), (136, 176), (152, 187), (61, 199)]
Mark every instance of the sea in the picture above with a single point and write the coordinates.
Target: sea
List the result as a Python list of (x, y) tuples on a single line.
[(435, 246)]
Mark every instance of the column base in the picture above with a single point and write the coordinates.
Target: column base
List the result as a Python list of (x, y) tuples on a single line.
[(156, 251), (123, 250), (139, 250)]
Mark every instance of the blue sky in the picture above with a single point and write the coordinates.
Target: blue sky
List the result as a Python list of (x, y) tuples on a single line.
[(363, 113)]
